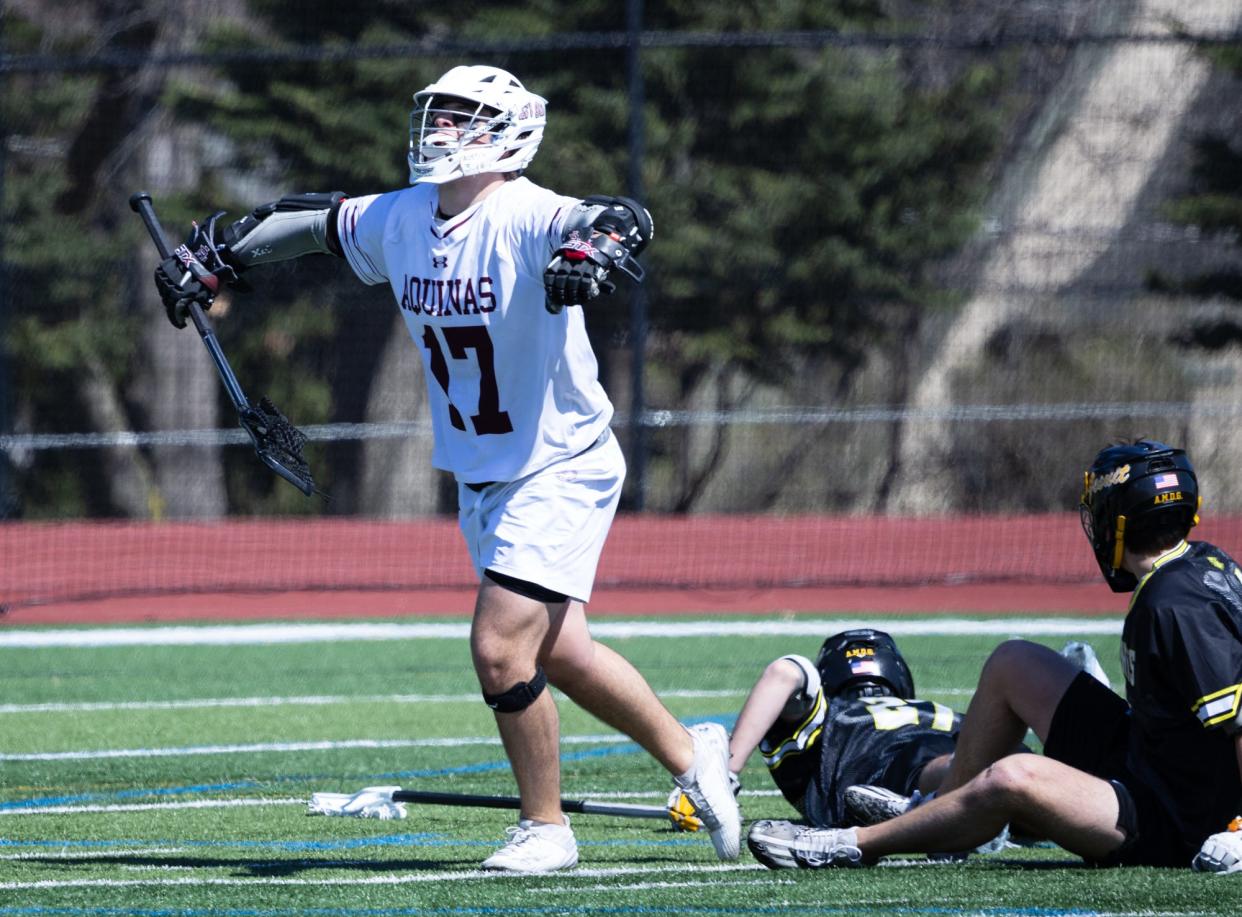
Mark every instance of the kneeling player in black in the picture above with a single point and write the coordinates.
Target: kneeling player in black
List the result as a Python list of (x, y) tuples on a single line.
[(848, 718), (1140, 781)]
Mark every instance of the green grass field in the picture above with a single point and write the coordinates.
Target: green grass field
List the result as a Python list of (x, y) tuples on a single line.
[(173, 780)]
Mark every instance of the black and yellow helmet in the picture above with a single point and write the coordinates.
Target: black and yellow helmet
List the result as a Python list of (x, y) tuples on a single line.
[(865, 662), (1130, 492)]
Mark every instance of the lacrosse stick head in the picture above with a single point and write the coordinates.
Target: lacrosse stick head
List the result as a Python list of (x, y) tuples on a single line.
[(278, 443)]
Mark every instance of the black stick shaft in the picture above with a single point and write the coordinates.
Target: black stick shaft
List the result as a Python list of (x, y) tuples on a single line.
[(141, 204), (581, 806)]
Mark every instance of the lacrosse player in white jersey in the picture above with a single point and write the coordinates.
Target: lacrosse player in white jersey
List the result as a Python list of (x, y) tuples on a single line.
[(483, 264)]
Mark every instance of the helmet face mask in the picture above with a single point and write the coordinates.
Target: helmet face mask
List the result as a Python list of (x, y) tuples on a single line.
[(497, 125), (865, 662), (1131, 492)]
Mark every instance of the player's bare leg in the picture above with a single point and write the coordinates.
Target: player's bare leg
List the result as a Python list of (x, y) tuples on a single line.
[(1020, 686), (606, 685), (505, 637), (1071, 808)]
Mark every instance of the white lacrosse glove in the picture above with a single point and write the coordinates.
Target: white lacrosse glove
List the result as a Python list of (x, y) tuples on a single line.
[(1221, 853)]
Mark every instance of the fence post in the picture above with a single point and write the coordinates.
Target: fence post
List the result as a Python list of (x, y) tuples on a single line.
[(638, 301), (8, 498)]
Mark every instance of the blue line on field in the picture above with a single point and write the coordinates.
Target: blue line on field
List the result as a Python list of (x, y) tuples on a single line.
[(625, 748)]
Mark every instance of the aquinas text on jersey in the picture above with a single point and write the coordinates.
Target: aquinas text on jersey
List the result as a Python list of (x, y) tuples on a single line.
[(448, 296)]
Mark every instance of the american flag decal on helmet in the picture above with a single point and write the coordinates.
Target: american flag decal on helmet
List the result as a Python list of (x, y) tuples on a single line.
[(1165, 481), (864, 667)]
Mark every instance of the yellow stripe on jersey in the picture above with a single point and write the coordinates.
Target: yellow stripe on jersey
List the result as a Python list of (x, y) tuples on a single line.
[(803, 737), (1171, 554), (1219, 706)]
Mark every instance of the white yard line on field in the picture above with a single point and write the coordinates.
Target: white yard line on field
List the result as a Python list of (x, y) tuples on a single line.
[(402, 879), (258, 747), (253, 634), (231, 803), (150, 806), (64, 854), (204, 703), (312, 700)]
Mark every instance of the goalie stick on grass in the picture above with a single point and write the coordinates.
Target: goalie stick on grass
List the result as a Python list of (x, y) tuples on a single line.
[(277, 442), (386, 802)]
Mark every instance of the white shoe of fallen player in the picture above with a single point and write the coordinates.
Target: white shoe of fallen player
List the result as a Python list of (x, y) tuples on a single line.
[(535, 847), (710, 791), (1083, 657), (783, 845)]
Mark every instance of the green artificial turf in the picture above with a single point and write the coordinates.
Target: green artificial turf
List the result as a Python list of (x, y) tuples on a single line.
[(188, 728)]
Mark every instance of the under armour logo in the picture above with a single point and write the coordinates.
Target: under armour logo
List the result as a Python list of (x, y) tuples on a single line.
[(439, 260)]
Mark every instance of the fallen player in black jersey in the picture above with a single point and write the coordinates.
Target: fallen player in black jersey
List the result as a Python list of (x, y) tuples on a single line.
[(1144, 780), (845, 739)]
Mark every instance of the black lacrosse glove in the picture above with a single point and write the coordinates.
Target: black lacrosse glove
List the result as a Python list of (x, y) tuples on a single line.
[(578, 272), (195, 272), (176, 294)]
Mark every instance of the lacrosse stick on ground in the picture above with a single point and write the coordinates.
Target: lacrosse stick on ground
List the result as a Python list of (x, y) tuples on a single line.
[(276, 441), (389, 802)]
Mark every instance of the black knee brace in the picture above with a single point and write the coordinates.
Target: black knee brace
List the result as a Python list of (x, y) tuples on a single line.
[(520, 696)]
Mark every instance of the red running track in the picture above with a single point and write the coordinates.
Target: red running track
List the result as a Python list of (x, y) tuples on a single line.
[(55, 573)]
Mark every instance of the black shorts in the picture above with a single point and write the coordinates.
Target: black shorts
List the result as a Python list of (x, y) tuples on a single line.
[(1090, 731)]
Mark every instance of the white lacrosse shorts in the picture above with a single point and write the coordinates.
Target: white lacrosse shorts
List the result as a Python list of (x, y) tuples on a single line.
[(549, 527)]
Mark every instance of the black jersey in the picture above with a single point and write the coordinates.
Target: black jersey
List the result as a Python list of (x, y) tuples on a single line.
[(883, 741), (1181, 651)]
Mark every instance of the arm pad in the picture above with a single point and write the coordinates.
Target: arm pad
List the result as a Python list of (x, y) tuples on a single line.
[(619, 227), (300, 224)]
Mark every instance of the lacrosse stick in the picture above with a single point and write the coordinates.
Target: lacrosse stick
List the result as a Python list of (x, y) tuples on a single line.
[(276, 441), (386, 802)]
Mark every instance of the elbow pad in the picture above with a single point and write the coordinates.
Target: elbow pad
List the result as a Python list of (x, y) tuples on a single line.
[(618, 227), (299, 224)]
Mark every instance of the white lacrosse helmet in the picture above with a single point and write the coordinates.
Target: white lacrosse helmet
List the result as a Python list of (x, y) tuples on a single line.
[(499, 124)]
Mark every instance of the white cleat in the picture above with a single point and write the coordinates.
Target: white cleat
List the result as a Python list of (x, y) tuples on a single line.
[(535, 847), (710, 790), (784, 845)]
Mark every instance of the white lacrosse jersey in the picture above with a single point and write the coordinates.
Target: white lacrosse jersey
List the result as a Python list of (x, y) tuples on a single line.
[(511, 387)]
